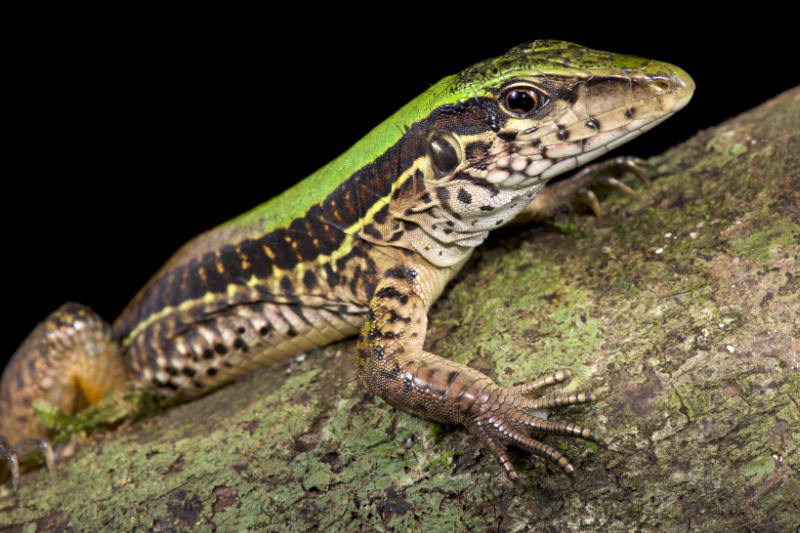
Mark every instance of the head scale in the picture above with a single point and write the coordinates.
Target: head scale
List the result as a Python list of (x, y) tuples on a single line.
[(496, 132)]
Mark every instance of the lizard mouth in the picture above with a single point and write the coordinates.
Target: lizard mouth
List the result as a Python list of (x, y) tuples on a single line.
[(530, 164)]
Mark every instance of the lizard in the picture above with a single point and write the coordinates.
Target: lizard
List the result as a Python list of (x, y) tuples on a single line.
[(364, 246)]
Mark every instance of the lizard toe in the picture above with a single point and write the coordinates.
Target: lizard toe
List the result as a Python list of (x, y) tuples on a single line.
[(12, 461), (24, 448), (517, 419)]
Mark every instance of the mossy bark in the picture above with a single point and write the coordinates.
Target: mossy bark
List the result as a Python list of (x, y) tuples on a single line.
[(683, 305)]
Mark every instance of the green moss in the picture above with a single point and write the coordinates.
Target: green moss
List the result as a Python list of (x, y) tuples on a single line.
[(793, 384), (626, 288), (760, 246), (759, 467), (727, 148), (109, 411), (547, 324), (570, 229), (444, 461)]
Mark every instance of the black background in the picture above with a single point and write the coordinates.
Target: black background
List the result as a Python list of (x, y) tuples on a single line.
[(129, 133)]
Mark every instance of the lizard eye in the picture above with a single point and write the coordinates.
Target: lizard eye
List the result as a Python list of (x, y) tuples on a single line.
[(445, 153), (522, 100)]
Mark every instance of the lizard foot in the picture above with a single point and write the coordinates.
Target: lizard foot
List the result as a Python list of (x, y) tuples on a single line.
[(69, 360), (25, 448), (603, 175), (580, 188), (515, 413)]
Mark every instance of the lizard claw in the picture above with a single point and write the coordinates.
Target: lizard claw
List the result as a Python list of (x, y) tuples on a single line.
[(24, 448), (519, 412), (589, 198), (10, 455), (603, 175), (628, 164)]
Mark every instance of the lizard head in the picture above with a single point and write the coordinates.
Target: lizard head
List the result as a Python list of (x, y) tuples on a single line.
[(499, 130), (470, 153)]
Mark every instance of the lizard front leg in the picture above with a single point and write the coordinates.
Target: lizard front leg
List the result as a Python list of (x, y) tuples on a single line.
[(393, 364)]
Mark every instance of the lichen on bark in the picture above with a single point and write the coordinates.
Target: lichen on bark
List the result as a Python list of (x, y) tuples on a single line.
[(682, 305)]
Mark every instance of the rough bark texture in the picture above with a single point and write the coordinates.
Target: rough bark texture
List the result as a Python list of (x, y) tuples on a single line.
[(683, 304)]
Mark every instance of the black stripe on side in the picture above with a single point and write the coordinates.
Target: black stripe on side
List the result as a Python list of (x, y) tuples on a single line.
[(317, 232)]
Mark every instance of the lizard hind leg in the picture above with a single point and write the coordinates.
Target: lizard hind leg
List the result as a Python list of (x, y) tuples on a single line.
[(70, 361)]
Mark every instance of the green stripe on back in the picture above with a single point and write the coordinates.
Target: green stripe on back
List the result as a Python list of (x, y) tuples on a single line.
[(279, 211), (539, 57)]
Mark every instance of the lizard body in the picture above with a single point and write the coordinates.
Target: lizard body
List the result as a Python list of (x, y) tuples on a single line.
[(364, 246)]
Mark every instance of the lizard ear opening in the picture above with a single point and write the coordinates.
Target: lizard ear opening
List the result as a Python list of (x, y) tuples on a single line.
[(445, 153)]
